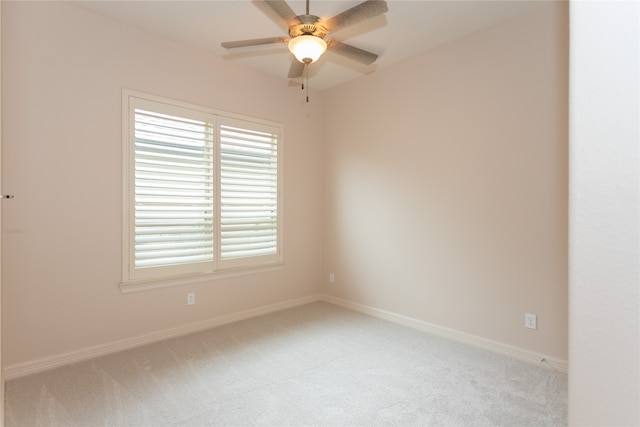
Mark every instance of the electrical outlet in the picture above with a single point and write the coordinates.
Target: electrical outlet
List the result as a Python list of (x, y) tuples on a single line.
[(191, 298), (332, 278), (530, 321)]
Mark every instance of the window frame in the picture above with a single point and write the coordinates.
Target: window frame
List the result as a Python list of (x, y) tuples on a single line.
[(139, 279)]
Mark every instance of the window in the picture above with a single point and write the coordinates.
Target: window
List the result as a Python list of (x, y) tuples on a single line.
[(202, 190)]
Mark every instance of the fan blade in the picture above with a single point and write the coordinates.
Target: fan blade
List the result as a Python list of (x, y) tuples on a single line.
[(284, 11), (352, 52), (296, 69), (365, 10), (254, 42)]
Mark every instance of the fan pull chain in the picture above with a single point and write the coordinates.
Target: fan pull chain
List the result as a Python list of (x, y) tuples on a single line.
[(307, 67)]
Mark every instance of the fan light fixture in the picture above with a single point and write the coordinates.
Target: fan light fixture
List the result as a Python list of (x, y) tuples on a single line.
[(306, 48)]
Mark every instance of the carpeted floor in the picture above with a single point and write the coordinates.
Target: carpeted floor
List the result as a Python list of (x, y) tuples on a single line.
[(317, 364)]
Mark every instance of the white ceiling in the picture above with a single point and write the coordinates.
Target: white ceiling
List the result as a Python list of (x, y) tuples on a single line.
[(408, 28)]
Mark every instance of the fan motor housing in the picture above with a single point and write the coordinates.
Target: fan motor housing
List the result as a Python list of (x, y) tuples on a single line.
[(311, 26)]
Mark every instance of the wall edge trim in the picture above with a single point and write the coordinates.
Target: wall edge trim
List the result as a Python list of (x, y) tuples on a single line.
[(56, 361), (473, 340), (59, 360)]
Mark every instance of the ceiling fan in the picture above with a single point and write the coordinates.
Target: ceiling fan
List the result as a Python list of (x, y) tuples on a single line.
[(307, 34)]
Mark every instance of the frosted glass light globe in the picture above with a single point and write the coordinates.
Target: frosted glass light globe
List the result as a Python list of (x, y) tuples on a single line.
[(307, 48)]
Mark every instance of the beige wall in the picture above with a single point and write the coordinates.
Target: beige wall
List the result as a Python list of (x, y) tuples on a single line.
[(63, 72), (445, 194)]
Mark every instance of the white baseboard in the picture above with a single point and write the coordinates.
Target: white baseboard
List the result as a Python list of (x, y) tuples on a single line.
[(495, 346), (32, 367)]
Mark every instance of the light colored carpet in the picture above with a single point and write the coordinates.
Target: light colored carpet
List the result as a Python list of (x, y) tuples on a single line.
[(317, 364)]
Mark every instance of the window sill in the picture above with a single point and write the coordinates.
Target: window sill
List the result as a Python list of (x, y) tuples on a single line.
[(153, 284)]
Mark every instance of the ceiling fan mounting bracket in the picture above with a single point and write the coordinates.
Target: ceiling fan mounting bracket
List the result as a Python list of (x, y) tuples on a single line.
[(310, 26)]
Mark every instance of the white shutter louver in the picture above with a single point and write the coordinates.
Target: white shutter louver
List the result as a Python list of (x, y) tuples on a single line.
[(173, 206), (248, 191)]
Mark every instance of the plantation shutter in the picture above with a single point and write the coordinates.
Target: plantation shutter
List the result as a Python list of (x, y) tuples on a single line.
[(249, 193), (174, 190), (202, 192)]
